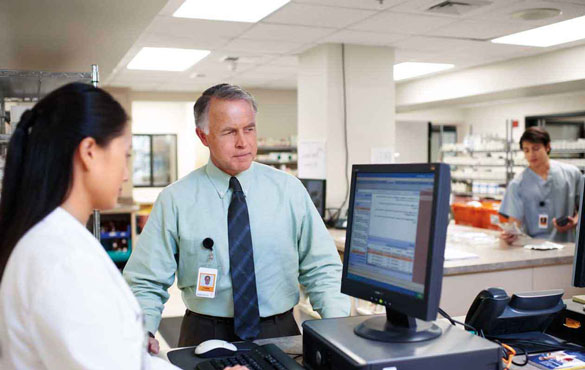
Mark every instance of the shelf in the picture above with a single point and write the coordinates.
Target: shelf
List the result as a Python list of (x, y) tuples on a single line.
[(4, 138), (278, 162), (277, 148), (567, 151), (114, 235), (480, 195), (477, 165), (463, 179), (119, 256), (34, 84), (480, 151)]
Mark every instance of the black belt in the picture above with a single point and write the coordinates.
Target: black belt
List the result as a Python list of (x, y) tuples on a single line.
[(230, 320)]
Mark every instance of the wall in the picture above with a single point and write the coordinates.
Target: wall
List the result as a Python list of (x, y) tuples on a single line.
[(166, 118), (412, 143), (553, 72), (172, 113), (369, 93), (489, 119), (122, 95), (277, 109), (277, 113)]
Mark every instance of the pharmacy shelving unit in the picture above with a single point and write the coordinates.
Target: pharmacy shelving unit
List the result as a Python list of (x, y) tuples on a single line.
[(572, 152), (30, 86), (511, 161), (283, 157), (482, 170), (27, 86)]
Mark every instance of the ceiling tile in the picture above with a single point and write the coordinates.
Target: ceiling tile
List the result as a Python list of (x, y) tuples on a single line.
[(286, 61), (446, 45), (196, 42), (355, 4), (281, 32), (503, 14), (271, 69), (401, 23), (197, 28), (317, 16), (289, 84), (420, 7), (364, 38), (255, 46), (411, 55), (478, 29)]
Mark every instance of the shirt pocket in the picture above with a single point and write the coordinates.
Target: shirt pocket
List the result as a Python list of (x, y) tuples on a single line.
[(192, 256)]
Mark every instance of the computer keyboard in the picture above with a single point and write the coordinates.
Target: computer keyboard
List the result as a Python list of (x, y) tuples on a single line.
[(266, 357)]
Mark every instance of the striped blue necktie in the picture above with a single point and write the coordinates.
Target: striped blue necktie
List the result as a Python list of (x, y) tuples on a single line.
[(246, 313)]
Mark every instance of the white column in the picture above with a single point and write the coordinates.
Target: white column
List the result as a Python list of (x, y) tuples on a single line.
[(370, 102)]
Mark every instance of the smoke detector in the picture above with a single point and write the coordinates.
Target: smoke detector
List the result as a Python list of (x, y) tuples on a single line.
[(536, 14), (457, 7)]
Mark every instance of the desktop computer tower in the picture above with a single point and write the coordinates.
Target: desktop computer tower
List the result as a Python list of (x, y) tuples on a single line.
[(331, 344)]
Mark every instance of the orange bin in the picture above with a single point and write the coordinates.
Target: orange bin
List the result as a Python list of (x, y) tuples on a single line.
[(484, 217)]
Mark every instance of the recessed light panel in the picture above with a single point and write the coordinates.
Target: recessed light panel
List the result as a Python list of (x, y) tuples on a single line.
[(406, 70), (553, 34), (166, 59), (229, 10)]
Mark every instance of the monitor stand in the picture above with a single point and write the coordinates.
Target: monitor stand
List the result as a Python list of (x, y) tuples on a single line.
[(397, 327)]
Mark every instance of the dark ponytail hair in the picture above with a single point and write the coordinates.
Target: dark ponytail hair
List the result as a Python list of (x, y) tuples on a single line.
[(39, 163)]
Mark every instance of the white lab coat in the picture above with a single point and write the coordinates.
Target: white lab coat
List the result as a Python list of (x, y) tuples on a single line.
[(64, 305)]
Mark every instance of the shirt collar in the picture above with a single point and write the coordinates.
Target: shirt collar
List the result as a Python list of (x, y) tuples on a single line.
[(221, 180)]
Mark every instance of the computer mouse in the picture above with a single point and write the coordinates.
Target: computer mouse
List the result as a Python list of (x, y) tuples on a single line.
[(215, 348)]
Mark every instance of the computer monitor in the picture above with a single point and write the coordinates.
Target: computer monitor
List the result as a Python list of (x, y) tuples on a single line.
[(579, 257), (316, 189), (395, 244)]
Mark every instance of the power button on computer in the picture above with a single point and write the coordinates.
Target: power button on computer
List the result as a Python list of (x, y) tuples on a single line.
[(318, 358)]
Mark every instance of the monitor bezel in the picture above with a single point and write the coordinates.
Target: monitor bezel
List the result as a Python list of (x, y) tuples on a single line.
[(578, 276), (427, 307), (324, 190)]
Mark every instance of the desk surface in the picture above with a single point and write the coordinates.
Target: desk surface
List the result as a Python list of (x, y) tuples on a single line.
[(493, 254)]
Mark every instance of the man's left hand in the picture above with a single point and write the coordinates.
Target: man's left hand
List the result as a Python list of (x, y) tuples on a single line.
[(569, 226)]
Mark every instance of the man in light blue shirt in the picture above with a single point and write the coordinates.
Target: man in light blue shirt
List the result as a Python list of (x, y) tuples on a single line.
[(543, 193), (189, 233)]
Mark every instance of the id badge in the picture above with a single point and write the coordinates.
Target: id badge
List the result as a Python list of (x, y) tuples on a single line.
[(543, 221), (206, 281)]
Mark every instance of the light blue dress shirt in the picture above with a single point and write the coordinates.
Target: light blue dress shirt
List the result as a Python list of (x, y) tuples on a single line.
[(528, 196), (291, 245)]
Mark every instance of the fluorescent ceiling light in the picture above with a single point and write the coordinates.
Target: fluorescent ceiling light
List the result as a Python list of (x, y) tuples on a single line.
[(166, 59), (229, 10), (411, 69), (553, 34)]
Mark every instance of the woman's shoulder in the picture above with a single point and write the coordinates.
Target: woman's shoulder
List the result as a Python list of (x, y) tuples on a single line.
[(55, 238)]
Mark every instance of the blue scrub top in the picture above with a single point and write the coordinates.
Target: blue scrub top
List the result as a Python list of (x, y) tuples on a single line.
[(529, 197)]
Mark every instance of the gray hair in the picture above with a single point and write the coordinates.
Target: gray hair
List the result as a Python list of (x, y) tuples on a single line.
[(222, 91)]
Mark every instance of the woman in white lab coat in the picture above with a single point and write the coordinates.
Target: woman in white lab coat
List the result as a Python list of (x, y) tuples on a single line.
[(63, 303)]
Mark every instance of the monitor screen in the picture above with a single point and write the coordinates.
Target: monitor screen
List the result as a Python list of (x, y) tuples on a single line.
[(395, 243), (390, 231), (316, 189)]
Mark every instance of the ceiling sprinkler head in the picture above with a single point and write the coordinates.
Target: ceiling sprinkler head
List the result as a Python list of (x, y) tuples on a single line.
[(232, 62)]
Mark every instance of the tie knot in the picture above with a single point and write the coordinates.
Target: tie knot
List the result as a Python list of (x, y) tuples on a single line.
[(235, 184)]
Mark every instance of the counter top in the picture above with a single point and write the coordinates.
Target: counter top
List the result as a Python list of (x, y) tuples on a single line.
[(121, 208), (492, 253)]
